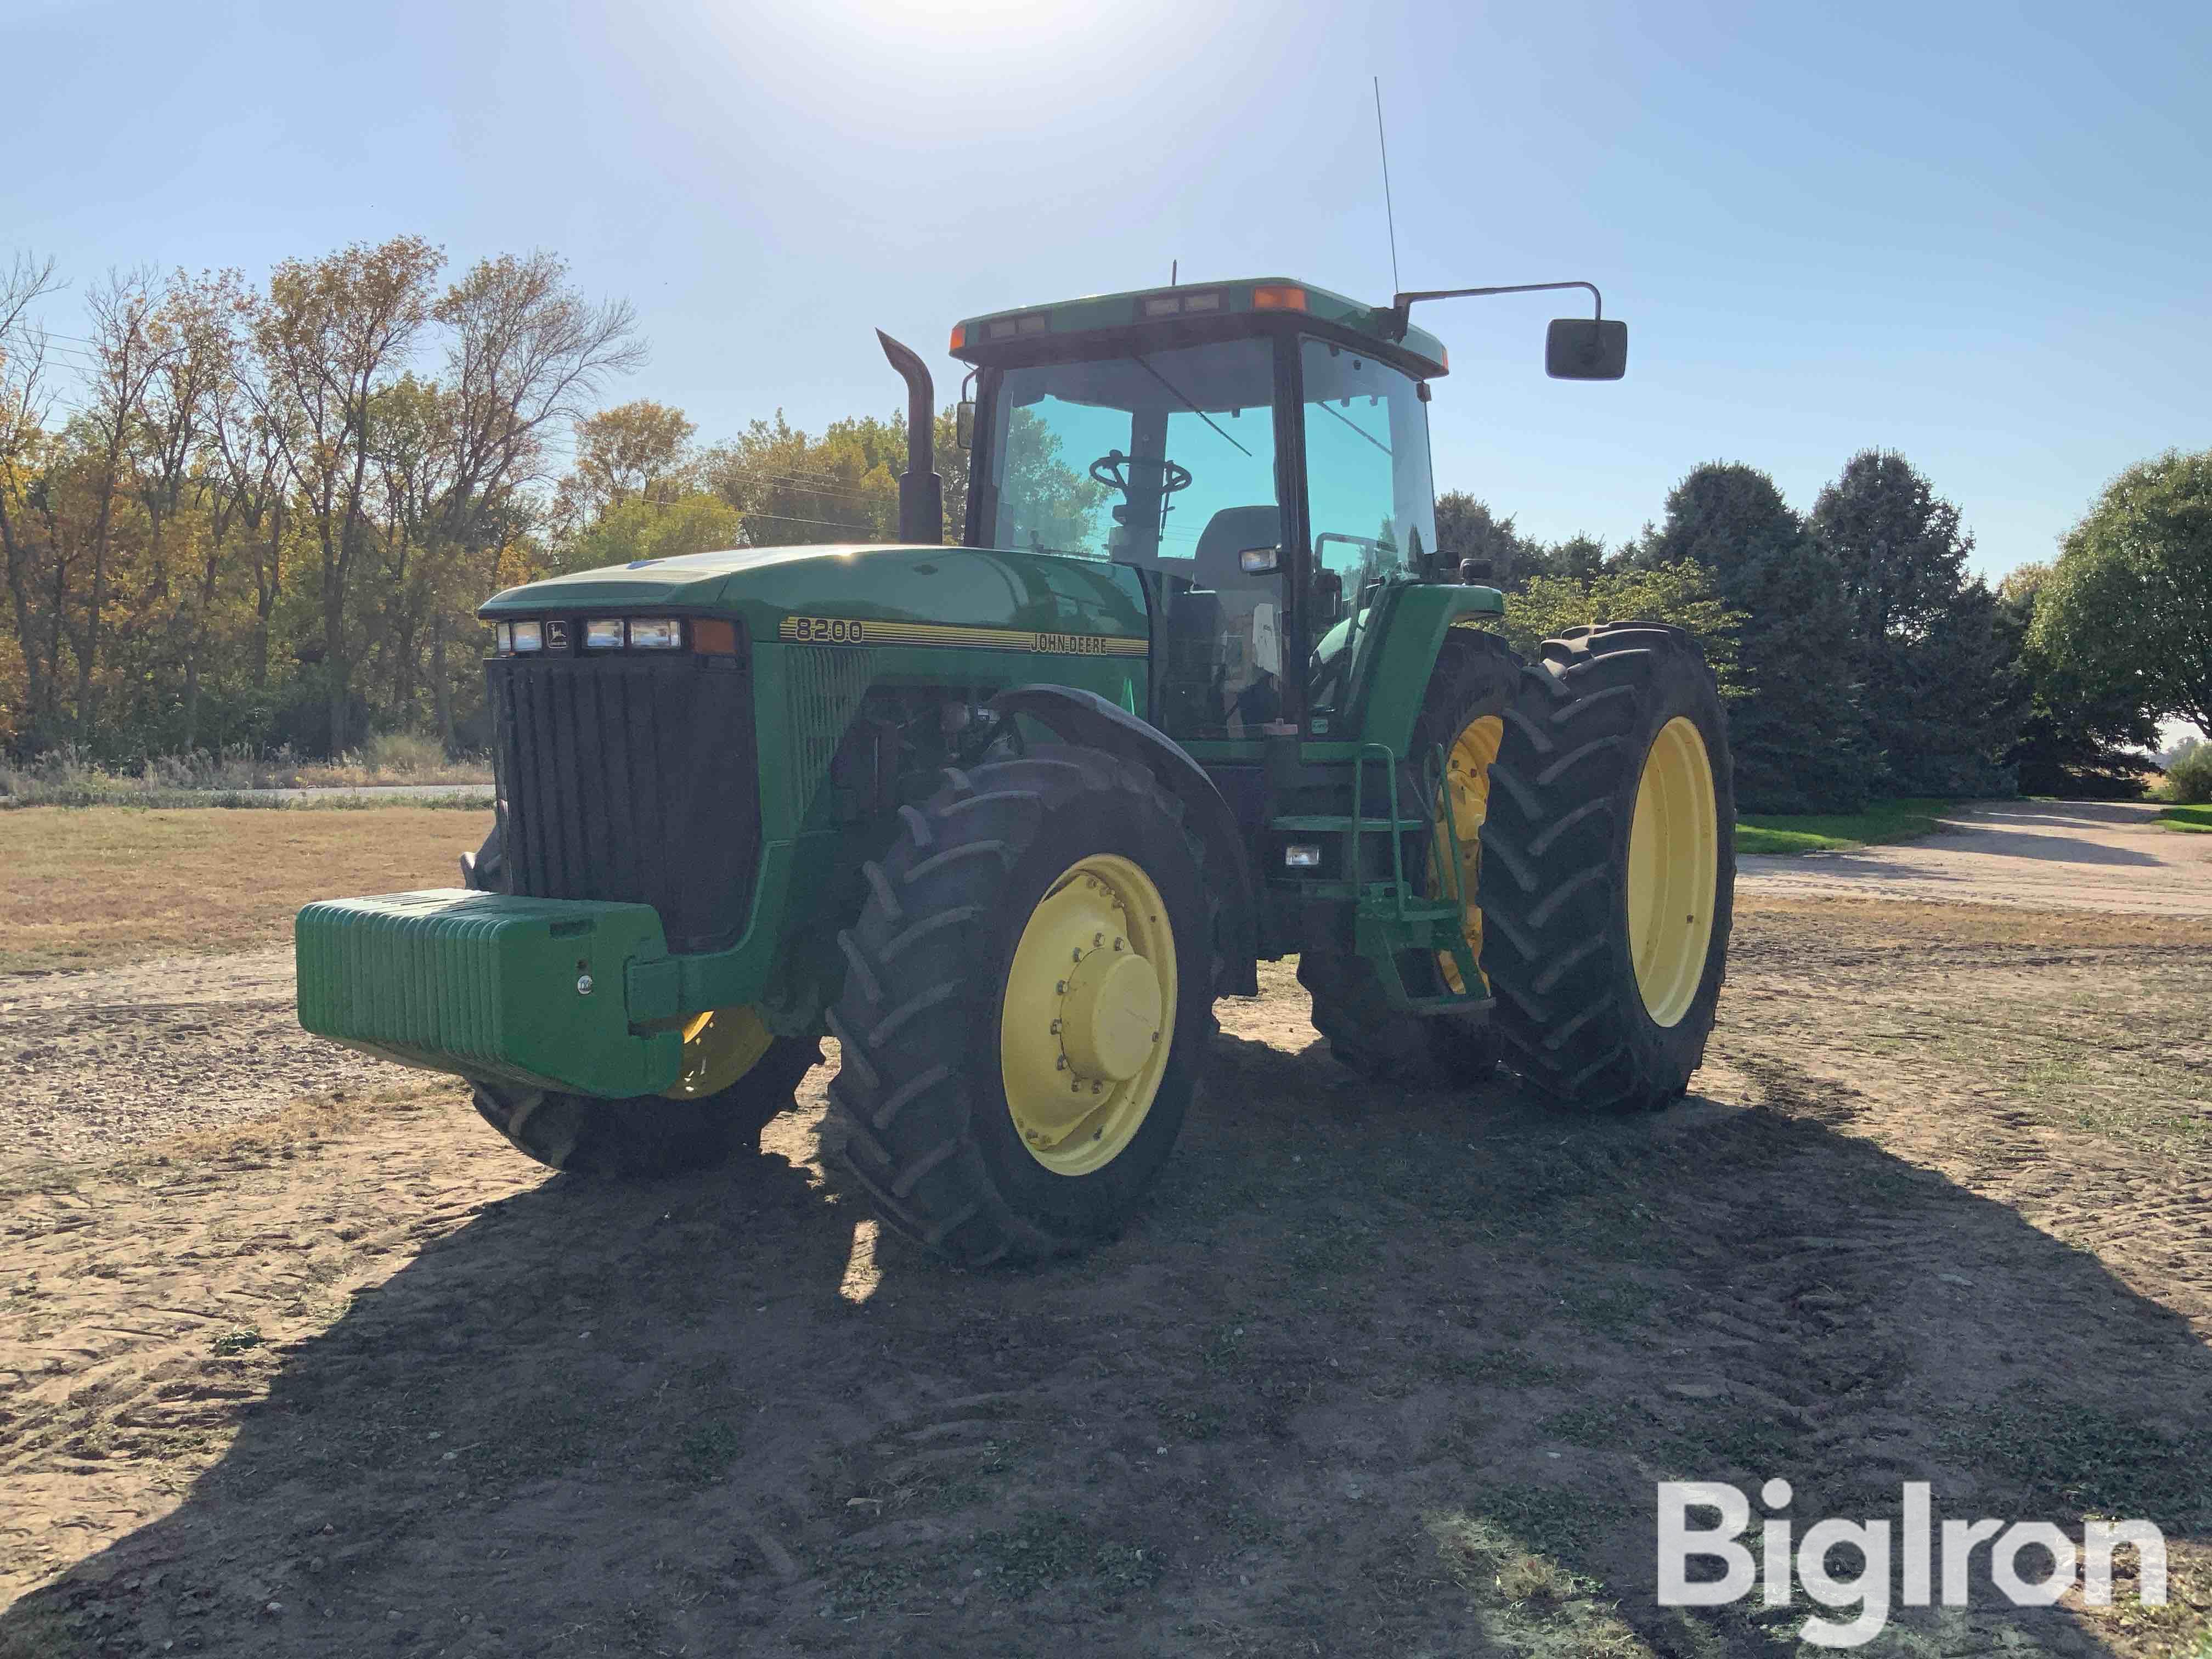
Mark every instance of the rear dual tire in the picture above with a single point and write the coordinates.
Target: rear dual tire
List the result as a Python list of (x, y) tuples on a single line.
[(1476, 679), (1608, 870)]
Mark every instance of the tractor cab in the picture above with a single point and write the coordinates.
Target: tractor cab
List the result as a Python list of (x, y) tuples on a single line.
[(1257, 451)]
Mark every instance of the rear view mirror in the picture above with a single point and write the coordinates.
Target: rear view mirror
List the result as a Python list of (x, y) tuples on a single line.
[(1586, 348), (1259, 560), (964, 424)]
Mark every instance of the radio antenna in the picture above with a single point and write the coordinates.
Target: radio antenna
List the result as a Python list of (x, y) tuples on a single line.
[(1389, 215)]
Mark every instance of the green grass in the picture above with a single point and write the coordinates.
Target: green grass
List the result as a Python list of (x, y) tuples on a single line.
[(2198, 818), (1882, 821)]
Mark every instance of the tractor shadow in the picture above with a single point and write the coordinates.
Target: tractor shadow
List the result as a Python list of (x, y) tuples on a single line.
[(1364, 1357)]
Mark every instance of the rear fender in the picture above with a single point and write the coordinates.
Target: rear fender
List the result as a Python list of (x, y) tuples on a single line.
[(1085, 718), (1420, 622)]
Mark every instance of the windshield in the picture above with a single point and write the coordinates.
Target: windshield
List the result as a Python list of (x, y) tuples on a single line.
[(1131, 457), (1165, 460)]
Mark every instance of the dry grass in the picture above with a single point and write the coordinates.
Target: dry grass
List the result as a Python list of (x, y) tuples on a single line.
[(68, 777), (87, 887)]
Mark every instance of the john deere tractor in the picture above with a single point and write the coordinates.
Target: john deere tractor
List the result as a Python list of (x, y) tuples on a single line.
[(1195, 688)]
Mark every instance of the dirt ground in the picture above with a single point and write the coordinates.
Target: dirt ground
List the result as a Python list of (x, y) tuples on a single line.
[(1373, 1372), (2053, 855)]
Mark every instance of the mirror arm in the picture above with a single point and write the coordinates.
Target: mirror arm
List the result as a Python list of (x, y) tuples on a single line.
[(1401, 305)]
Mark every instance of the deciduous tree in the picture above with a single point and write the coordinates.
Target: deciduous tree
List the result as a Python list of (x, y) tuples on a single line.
[(2128, 608), (2080, 735), (1684, 594), (333, 333)]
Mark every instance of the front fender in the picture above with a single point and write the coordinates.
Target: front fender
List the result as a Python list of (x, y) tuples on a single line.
[(1085, 718)]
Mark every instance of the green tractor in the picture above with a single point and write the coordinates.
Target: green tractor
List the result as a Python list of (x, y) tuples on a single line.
[(1195, 688)]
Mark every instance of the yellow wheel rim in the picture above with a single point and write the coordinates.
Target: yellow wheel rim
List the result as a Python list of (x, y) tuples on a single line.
[(719, 1047), (1464, 791), (1089, 1015), (1674, 867)]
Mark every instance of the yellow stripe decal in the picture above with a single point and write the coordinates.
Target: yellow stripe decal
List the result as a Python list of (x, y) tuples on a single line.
[(854, 630)]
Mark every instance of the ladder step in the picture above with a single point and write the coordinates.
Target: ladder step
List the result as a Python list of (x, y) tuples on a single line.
[(1324, 825), (1447, 1005)]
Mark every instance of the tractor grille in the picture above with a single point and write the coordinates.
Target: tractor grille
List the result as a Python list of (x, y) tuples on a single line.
[(632, 780)]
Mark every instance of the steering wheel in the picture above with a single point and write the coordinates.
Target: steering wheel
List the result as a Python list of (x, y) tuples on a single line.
[(1108, 469)]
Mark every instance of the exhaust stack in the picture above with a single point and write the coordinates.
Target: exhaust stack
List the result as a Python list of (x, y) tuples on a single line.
[(921, 492)]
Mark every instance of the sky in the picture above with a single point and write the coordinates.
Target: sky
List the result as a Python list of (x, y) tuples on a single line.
[(1972, 233)]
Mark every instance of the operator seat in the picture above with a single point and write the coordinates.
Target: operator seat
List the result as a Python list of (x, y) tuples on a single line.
[(1245, 652), (1226, 535)]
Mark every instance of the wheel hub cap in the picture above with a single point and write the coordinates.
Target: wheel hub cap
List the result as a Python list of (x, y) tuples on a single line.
[(1112, 1020), (1089, 1006)]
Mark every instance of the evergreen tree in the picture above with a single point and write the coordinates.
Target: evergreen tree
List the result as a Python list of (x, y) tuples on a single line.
[(1935, 668), (1796, 731)]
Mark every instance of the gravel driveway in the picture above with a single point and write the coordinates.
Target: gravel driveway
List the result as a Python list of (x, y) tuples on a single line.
[(2049, 855)]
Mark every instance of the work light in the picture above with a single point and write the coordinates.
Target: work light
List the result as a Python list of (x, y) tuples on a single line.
[(528, 636), (603, 634), (661, 634)]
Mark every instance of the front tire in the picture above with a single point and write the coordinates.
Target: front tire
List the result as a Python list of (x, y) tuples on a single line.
[(1608, 874), (652, 1134), (1024, 1007)]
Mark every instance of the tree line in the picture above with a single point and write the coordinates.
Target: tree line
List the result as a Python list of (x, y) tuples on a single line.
[(247, 518), (1861, 657)]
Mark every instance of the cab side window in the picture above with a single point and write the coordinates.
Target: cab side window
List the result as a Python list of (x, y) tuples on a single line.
[(1369, 502)]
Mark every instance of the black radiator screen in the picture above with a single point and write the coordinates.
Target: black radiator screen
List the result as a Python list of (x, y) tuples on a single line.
[(632, 779)]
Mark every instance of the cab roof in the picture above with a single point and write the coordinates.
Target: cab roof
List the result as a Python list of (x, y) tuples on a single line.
[(1020, 333)]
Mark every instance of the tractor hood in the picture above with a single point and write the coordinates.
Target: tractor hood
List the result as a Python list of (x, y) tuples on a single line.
[(768, 587)]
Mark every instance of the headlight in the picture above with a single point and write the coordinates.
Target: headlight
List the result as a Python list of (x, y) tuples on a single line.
[(528, 636), (661, 634), (502, 636), (603, 634)]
